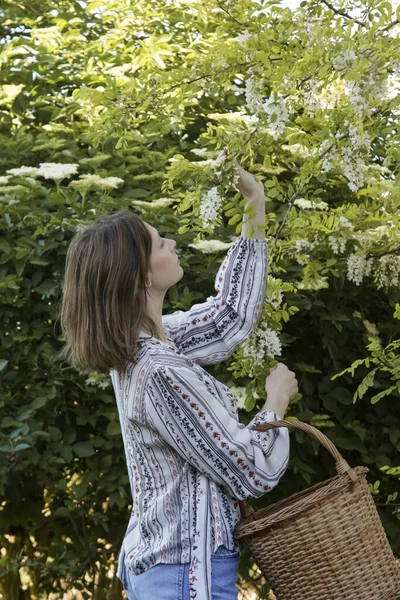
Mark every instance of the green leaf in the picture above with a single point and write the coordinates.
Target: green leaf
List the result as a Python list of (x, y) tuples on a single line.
[(5, 246), (22, 446), (3, 363), (39, 402), (61, 511), (83, 449), (379, 396), (113, 428)]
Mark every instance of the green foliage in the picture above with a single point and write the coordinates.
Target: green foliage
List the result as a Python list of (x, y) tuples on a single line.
[(134, 92)]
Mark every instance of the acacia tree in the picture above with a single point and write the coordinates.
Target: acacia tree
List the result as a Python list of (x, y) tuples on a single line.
[(106, 105)]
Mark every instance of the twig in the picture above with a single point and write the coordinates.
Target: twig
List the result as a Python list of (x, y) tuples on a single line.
[(392, 24), (394, 251), (291, 202), (343, 14), (229, 14), (24, 6)]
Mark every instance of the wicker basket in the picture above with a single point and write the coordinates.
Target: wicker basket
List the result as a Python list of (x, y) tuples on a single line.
[(325, 543)]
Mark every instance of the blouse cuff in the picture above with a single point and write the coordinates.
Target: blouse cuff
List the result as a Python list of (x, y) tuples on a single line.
[(264, 437)]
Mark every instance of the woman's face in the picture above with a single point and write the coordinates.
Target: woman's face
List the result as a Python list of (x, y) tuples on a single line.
[(165, 269)]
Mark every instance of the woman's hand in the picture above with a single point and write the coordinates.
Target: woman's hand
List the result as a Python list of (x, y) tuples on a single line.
[(281, 385), (245, 182)]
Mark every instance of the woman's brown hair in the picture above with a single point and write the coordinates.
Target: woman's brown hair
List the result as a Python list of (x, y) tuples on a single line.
[(104, 293)]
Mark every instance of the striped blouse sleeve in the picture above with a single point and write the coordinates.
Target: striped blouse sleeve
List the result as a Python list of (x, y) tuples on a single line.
[(210, 331), (194, 422)]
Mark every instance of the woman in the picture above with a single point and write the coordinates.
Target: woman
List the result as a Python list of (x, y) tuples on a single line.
[(189, 459)]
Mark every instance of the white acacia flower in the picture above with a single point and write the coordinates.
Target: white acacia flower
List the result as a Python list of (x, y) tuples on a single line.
[(243, 37), (318, 283), (276, 299), (310, 97), (338, 245), (310, 204), (358, 267), (240, 394), (262, 342), (304, 245), (372, 330), (354, 168), (330, 96), (4, 180), (388, 271), (299, 149), (344, 60), (279, 110), (354, 92), (199, 151), (253, 94), (210, 207), (345, 223), (204, 163)]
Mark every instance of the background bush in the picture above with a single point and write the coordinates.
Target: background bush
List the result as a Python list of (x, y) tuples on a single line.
[(129, 92)]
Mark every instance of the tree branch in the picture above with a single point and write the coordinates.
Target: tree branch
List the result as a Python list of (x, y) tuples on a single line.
[(24, 6), (229, 14), (387, 27), (343, 14), (379, 254)]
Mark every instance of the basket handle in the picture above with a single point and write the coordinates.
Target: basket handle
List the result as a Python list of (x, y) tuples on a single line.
[(342, 466)]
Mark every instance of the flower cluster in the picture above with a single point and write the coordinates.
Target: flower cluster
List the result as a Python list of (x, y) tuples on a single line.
[(329, 155), (87, 181), (60, 171), (24, 172), (317, 283), (387, 274), (338, 245), (261, 343), (240, 394), (209, 246), (275, 297), (56, 171), (344, 61), (351, 159), (354, 168), (372, 330), (154, 204), (308, 204), (253, 95), (358, 267), (210, 207), (353, 90), (98, 381), (278, 113), (330, 96), (304, 245), (344, 223), (310, 97), (200, 151), (243, 37)]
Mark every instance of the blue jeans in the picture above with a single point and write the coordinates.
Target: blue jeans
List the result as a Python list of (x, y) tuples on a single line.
[(171, 582)]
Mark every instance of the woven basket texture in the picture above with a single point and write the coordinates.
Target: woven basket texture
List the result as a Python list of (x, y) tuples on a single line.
[(324, 543)]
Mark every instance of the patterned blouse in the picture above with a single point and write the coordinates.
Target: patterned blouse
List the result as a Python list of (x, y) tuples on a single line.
[(189, 459)]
